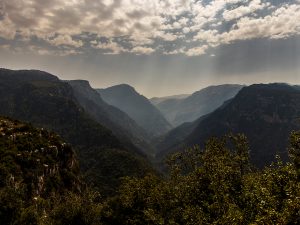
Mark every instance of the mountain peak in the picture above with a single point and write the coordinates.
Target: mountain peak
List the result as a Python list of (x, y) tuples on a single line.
[(121, 88), (28, 75), (83, 83), (138, 107)]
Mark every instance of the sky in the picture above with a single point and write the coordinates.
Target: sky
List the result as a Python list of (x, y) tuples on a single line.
[(161, 47)]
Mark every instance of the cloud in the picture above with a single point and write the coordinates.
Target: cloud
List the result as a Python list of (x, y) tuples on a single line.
[(7, 29), (243, 10), (5, 47), (139, 50), (142, 25), (281, 23), (197, 51), (111, 47), (166, 36), (174, 52), (65, 40)]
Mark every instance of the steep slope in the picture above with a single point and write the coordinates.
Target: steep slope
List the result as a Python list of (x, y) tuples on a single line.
[(35, 165), (45, 101), (175, 137), (137, 107), (266, 114), (202, 102), (38, 157), (111, 117)]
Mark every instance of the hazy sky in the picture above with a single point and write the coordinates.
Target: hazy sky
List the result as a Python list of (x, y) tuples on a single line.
[(161, 47)]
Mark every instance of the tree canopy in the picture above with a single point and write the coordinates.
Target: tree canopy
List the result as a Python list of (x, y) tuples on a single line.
[(41, 184)]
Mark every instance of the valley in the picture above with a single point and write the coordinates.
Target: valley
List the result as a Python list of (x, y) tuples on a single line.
[(121, 118), (116, 137), (150, 112)]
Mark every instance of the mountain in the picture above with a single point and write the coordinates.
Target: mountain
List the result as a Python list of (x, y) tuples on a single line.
[(265, 113), (157, 100), (174, 137), (178, 111), (35, 165), (125, 128), (45, 101), (34, 158), (137, 107)]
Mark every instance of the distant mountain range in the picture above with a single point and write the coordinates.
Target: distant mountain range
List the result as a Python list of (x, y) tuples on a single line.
[(138, 107), (113, 130), (44, 100), (265, 113), (180, 110)]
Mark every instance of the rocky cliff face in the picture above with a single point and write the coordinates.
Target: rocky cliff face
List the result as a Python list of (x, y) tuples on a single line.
[(36, 162)]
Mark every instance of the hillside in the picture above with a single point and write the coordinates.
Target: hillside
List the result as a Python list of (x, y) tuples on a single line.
[(111, 117), (137, 107), (34, 164), (265, 113), (45, 101), (41, 184), (202, 102), (175, 137)]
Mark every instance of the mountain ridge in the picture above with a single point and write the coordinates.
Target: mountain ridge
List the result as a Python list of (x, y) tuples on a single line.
[(138, 107), (204, 101), (116, 120), (51, 104), (265, 113)]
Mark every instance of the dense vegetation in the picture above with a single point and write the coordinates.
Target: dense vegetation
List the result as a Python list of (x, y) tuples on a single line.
[(214, 185), (35, 166), (45, 101)]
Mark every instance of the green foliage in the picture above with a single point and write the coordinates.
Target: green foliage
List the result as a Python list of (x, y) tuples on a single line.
[(214, 185), (74, 209), (34, 166), (115, 163), (10, 205), (294, 151)]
